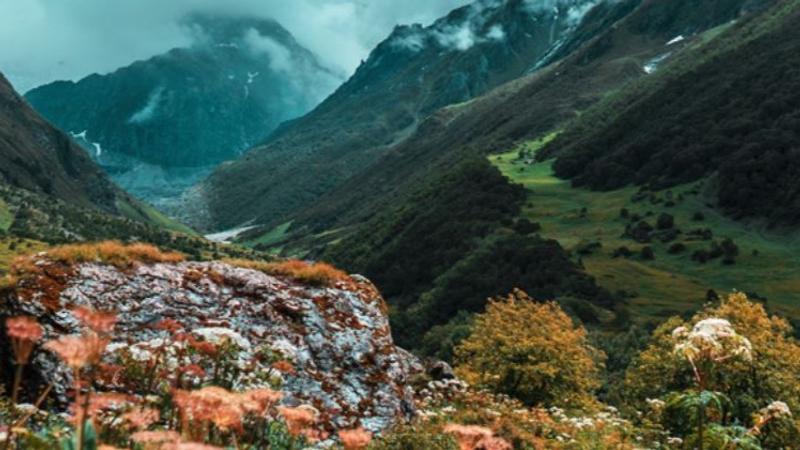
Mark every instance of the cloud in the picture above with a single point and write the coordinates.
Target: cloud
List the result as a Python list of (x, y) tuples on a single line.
[(46, 40), (149, 109)]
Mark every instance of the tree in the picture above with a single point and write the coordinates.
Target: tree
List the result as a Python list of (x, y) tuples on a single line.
[(531, 351)]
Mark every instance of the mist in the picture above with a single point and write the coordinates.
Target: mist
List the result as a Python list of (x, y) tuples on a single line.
[(47, 40)]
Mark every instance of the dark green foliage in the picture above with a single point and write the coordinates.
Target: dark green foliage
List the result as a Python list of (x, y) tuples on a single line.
[(445, 249), (525, 226), (735, 114), (665, 221), (404, 249), (538, 267)]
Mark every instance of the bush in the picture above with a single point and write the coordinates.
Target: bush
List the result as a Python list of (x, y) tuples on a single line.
[(531, 351)]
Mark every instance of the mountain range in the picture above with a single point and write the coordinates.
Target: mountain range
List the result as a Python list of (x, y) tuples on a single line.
[(158, 126)]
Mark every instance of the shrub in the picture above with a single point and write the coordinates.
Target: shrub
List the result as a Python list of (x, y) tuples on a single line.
[(531, 351)]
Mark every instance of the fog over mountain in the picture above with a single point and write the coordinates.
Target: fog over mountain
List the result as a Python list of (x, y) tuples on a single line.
[(69, 40)]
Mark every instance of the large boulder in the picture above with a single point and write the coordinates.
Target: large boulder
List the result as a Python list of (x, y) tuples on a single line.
[(336, 337)]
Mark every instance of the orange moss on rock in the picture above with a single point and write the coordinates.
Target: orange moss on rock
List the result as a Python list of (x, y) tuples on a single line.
[(114, 253), (316, 274)]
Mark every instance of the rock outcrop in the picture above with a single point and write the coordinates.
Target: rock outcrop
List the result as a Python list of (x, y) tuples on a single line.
[(337, 338)]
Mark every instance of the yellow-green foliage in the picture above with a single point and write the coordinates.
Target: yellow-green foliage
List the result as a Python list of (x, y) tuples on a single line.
[(771, 375), (318, 274), (531, 351)]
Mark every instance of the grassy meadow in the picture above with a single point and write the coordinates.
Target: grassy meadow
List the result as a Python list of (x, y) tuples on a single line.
[(670, 283)]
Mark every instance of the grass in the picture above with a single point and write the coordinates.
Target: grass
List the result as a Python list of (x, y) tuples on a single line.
[(670, 284), (6, 216), (272, 237), (12, 248), (145, 213), (315, 274)]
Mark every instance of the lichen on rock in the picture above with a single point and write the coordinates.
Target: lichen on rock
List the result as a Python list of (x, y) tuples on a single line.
[(337, 338)]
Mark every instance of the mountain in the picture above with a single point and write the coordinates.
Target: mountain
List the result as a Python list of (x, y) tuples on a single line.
[(736, 125), (52, 192), (415, 224), (157, 126), (37, 157), (414, 72)]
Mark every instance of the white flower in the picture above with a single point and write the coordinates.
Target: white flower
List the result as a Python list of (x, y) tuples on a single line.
[(776, 410), (656, 404), (713, 338), (216, 335)]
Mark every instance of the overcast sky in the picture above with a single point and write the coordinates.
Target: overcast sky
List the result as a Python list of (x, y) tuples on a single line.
[(45, 40)]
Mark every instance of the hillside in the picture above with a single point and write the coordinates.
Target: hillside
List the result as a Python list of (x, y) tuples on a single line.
[(160, 125), (411, 74), (51, 192), (734, 124), (375, 219), (37, 157)]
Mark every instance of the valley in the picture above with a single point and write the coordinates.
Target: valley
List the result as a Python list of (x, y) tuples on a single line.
[(317, 224), (671, 283)]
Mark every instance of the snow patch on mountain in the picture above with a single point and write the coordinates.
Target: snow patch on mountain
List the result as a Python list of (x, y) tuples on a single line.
[(652, 65), (676, 40)]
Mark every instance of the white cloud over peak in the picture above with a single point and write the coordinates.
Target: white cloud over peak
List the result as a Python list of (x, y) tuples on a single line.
[(44, 40)]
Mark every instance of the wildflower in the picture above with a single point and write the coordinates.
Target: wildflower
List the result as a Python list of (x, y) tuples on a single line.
[(714, 339), (170, 325), (141, 418), (656, 404), (284, 366), (194, 446), (24, 332), (99, 321), (493, 443), (156, 439), (300, 419), (204, 347), (78, 351), (263, 398), (468, 436), (777, 410), (355, 439), (100, 402)]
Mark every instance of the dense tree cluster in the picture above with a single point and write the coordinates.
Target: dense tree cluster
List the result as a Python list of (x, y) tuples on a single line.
[(740, 121)]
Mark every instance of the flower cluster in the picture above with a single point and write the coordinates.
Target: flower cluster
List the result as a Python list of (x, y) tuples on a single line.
[(713, 339)]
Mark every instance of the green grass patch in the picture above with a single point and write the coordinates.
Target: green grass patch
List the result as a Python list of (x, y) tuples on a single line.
[(146, 213), (671, 284), (6, 216), (271, 237)]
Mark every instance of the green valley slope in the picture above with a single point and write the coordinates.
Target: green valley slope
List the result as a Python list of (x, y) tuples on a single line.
[(374, 221)]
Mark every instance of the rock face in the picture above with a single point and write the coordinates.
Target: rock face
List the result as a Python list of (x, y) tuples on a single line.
[(337, 338)]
